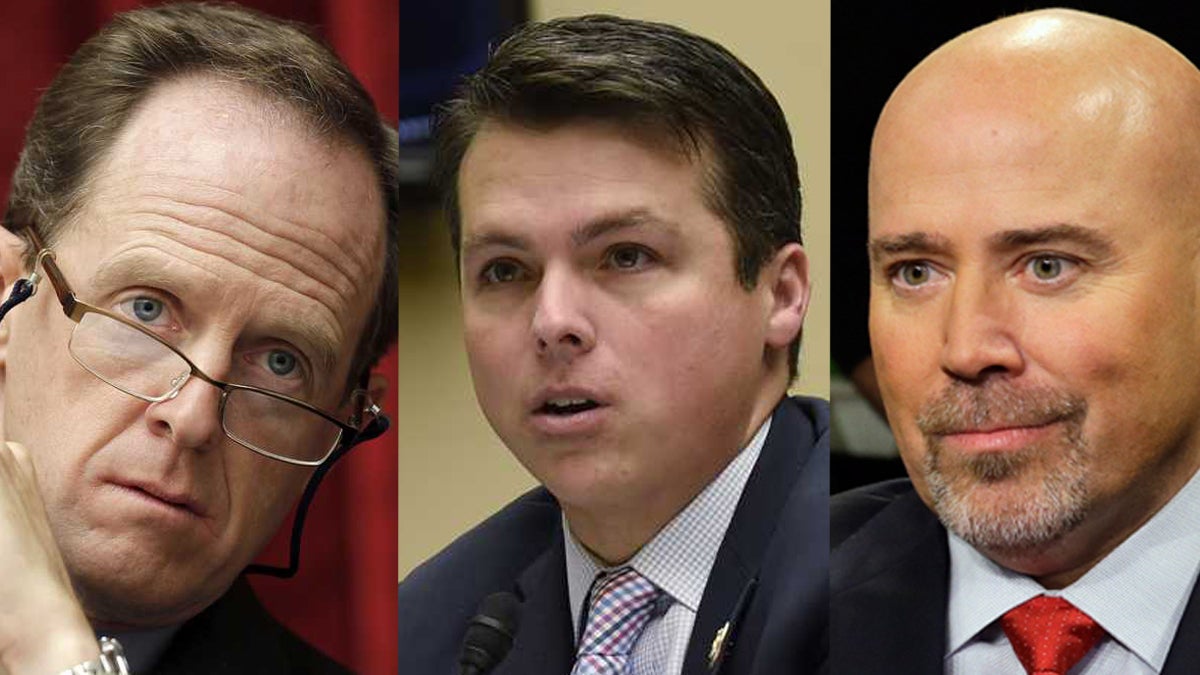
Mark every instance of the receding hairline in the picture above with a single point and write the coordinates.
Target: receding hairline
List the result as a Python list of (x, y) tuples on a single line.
[(248, 104)]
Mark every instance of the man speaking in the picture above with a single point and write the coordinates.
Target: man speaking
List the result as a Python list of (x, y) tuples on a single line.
[(625, 205), (1035, 323), (202, 210)]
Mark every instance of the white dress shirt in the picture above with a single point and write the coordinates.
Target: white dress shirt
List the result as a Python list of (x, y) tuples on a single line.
[(1137, 593), (677, 560)]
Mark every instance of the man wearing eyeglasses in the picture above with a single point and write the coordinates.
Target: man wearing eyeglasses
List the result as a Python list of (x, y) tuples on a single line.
[(194, 257)]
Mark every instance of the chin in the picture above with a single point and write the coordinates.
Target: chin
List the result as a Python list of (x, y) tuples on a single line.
[(124, 585), (1012, 517), (135, 600)]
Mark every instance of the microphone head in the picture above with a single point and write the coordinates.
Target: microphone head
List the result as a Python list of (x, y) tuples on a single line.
[(490, 633)]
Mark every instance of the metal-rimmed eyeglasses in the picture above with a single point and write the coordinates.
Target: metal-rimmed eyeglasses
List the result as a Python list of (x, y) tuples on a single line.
[(140, 363)]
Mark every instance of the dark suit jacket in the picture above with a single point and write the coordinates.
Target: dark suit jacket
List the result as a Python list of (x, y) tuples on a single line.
[(236, 635), (890, 583), (769, 580)]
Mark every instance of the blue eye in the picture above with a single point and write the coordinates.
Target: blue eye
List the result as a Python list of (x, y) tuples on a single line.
[(147, 309), (281, 363)]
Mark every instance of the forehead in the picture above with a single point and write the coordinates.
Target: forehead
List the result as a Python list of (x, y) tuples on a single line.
[(559, 178), (974, 153), (220, 187)]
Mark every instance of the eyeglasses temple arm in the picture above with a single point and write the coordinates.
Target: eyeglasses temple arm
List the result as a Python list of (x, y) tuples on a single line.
[(22, 290), (377, 426)]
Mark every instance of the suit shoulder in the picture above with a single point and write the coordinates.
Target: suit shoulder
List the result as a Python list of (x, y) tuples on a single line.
[(438, 598), (817, 412), (853, 510), (504, 544)]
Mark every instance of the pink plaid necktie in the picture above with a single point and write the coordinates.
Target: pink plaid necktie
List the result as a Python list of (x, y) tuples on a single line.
[(1049, 634), (621, 606)]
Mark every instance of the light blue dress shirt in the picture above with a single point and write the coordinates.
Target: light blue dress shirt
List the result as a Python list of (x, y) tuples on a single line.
[(1137, 593)]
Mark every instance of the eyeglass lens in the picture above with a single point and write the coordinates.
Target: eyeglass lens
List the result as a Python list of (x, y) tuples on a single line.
[(141, 366)]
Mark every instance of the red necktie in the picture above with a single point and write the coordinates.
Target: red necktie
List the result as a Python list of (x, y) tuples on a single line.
[(1050, 635)]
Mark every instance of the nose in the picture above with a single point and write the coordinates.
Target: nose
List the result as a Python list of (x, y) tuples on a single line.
[(562, 328), (192, 418), (980, 331)]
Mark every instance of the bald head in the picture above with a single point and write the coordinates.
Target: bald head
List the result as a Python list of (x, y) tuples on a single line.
[(1050, 82), (1035, 299)]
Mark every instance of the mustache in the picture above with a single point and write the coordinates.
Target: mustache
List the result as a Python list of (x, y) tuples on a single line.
[(996, 404)]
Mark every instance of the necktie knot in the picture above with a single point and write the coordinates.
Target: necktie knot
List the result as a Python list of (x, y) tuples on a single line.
[(1050, 635), (621, 605)]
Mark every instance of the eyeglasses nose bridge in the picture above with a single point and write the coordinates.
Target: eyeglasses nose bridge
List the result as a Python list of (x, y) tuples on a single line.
[(177, 383)]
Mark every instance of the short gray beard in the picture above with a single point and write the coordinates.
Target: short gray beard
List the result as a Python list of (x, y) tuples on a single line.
[(1029, 519)]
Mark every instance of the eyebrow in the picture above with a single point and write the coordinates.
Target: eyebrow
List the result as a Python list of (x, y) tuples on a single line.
[(1096, 243), (636, 218), (912, 242), (924, 243), (582, 235)]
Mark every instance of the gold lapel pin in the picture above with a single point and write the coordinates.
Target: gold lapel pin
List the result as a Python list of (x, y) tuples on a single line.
[(718, 645)]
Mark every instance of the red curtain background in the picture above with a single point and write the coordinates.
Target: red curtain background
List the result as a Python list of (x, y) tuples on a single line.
[(344, 598)]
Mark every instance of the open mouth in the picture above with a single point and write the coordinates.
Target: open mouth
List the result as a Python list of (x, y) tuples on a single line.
[(567, 406)]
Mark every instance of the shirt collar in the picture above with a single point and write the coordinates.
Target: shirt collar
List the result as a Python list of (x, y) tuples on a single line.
[(1137, 592), (680, 557)]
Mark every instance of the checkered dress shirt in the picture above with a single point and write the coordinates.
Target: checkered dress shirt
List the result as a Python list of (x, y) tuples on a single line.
[(678, 560)]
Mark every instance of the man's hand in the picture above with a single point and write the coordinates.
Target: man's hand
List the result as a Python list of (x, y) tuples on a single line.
[(42, 627)]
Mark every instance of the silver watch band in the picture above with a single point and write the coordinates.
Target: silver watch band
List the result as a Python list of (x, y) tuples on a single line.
[(110, 662)]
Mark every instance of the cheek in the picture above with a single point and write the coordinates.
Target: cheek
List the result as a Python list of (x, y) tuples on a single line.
[(261, 492), (696, 335), (494, 352), (64, 415), (905, 355), (1136, 368)]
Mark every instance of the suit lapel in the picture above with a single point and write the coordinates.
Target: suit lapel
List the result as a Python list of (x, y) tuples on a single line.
[(545, 641), (731, 588), (890, 589), (1185, 648)]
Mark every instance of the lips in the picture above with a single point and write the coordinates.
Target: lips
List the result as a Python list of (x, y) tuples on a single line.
[(566, 406), (568, 412), (997, 438), (565, 401), (180, 500)]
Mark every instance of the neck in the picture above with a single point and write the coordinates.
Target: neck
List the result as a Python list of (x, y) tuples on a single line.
[(1064, 561), (613, 532)]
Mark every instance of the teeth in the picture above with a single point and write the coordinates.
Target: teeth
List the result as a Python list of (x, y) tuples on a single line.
[(564, 402)]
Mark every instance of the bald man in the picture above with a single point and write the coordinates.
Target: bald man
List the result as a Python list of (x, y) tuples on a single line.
[(1035, 321)]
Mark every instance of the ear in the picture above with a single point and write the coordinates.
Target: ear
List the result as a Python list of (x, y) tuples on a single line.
[(12, 267), (786, 279), (377, 386)]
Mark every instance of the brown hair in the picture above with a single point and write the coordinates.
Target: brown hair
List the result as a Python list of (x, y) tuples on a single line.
[(655, 76), (81, 114)]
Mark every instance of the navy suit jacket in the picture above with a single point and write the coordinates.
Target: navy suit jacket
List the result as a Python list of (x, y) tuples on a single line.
[(769, 580), (890, 581)]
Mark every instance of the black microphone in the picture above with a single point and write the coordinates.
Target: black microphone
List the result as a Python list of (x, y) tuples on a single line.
[(490, 633)]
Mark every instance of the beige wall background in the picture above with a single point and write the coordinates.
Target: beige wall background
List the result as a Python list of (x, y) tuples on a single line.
[(454, 472)]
